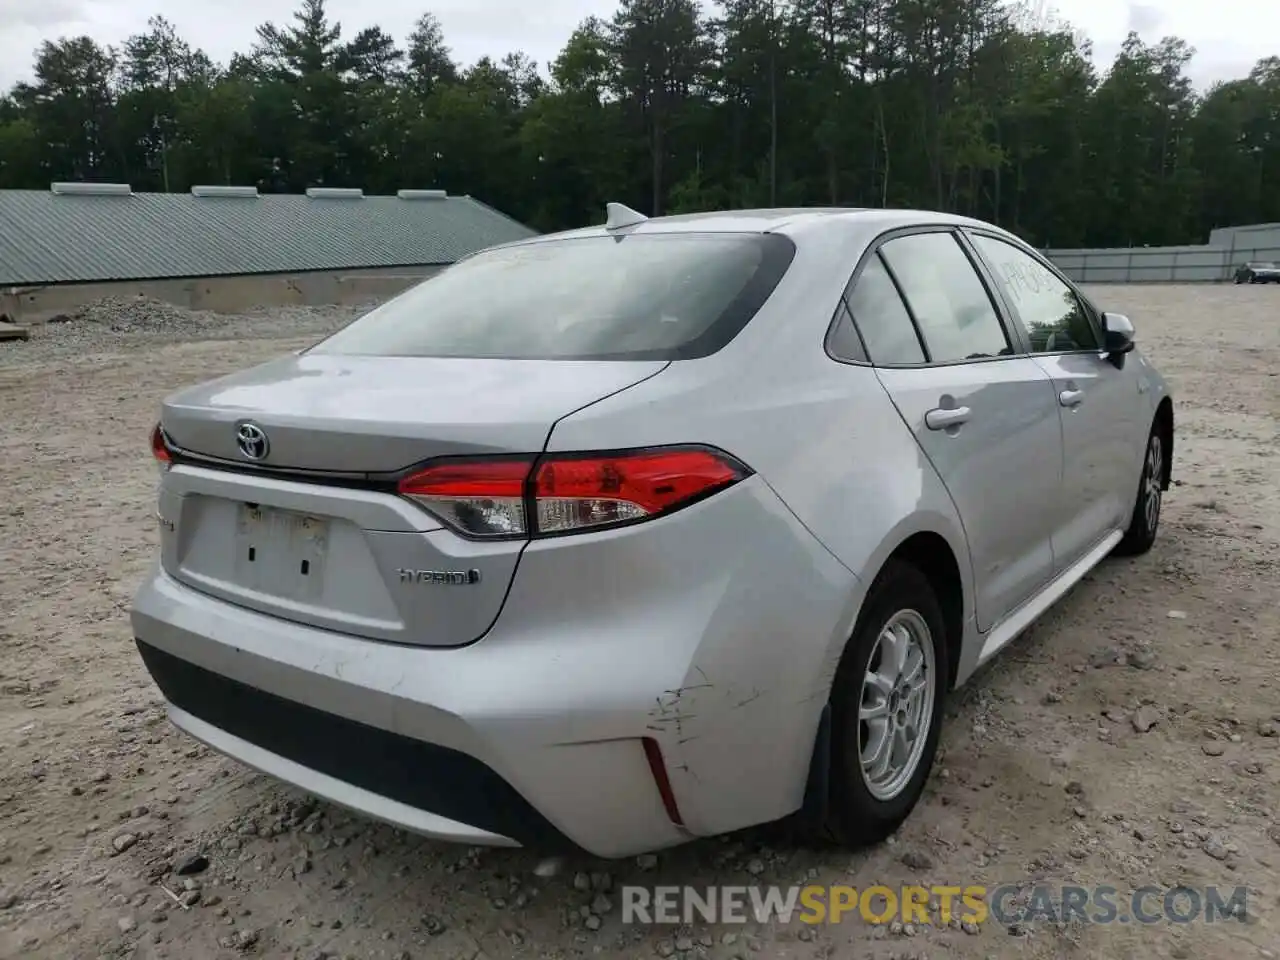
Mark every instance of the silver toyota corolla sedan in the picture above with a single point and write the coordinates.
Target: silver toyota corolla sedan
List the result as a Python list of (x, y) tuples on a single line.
[(623, 536)]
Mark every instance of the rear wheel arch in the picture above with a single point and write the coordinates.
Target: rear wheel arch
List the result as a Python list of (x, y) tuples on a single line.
[(931, 554), (922, 575), (1164, 424)]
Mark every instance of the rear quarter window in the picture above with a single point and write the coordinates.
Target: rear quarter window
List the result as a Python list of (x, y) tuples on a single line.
[(882, 317), (636, 297)]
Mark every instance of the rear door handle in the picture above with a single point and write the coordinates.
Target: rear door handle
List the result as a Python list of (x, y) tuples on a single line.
[(1070, 398), (944, 417)]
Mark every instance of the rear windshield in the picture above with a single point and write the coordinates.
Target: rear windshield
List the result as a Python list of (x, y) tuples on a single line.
[(639, 297)]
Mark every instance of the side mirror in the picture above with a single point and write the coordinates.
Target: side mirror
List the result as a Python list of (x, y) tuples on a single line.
[(1118, 337)]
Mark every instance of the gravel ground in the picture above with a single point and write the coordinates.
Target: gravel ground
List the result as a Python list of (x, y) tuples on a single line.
[(120, 325), (1128, 739)]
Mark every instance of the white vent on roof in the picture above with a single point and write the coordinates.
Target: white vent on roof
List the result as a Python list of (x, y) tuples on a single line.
[(91, 189), (223, 191), (335, 193), (422, 194)]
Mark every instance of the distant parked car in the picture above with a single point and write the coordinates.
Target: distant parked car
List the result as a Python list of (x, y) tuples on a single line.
[(1259, 271), (648, 531)]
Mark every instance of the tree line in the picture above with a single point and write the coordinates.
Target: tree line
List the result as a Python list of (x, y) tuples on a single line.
[(970, 106)]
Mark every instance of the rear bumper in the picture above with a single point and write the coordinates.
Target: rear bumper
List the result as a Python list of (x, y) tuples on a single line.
[(714, 632), (402, 734), (426, 787)]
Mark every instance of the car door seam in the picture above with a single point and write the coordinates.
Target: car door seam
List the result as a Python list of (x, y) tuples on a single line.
[(938, 475)]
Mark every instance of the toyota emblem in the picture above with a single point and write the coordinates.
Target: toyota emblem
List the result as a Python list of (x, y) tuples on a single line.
[(252, 441)]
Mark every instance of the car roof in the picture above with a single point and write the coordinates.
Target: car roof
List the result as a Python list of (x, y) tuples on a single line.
[(791, 221)]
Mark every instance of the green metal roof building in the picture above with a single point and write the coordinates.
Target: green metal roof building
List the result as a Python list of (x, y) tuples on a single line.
[(85, 232)]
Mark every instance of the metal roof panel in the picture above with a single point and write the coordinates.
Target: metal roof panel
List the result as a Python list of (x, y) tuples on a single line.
[(49, 238)]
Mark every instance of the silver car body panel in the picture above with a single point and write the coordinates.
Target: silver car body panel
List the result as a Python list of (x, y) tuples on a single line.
[(1100, 454), (352, 417), (384, 413), (1012, 432), (204, 543), (715, 631), (555, 704)]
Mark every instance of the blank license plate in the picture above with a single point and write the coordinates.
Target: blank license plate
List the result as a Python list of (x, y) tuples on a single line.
[(280, 553)]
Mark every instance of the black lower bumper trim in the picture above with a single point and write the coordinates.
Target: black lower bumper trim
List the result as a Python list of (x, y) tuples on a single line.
[(423, 775)]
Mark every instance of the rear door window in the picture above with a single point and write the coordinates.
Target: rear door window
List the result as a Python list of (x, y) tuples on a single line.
[(948, 300), (638, 297)]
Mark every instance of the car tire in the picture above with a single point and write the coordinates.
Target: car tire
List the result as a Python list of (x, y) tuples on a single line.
[(1144, 523), (901, 609)]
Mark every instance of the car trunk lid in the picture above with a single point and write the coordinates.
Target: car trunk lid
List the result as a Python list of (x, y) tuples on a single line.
[(313, 530), (377, 415)]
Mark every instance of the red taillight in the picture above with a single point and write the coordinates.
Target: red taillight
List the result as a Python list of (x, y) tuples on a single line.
[(579, 492), (159, 449), (568, 493), (480, 498)]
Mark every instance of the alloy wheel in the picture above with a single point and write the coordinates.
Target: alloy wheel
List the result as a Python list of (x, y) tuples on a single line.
[(896, 709), (1153, 477)]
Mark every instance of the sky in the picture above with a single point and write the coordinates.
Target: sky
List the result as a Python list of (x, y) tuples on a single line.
[(474, 28)]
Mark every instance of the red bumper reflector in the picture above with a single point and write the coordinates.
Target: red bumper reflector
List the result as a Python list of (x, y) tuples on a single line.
[(653, 753)]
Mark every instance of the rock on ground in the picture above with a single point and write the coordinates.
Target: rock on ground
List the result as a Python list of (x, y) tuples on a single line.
[(114, 324)]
